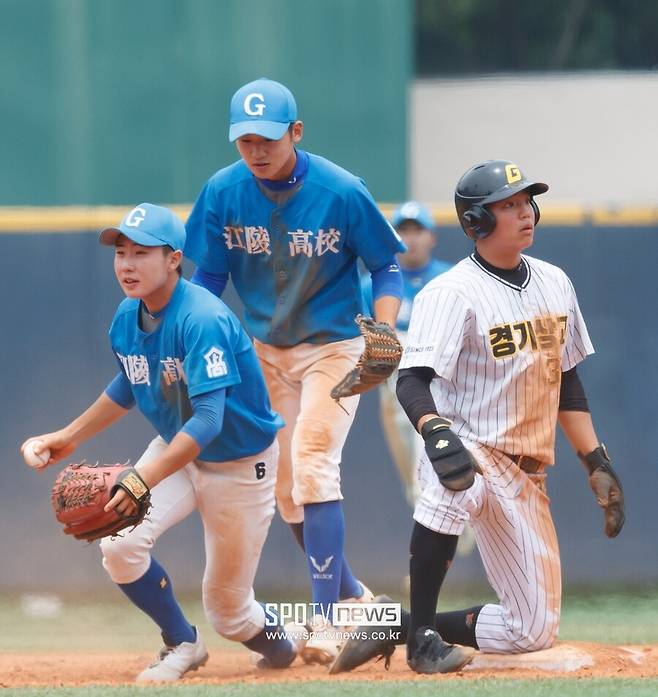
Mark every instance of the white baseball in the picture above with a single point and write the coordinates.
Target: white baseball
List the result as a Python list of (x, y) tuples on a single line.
[(31, 458)]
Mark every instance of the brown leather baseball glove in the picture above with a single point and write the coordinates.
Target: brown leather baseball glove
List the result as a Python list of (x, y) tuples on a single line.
[(379, 359), (82, 490)]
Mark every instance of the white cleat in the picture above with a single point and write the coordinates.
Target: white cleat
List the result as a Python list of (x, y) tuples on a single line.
[(324, 642), (173, 662), (298, 634)]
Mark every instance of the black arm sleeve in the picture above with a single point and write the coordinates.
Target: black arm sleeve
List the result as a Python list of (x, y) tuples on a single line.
[(572, 393), (413, 391)]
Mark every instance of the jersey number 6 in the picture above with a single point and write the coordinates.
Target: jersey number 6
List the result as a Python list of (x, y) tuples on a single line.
[(260, 470)]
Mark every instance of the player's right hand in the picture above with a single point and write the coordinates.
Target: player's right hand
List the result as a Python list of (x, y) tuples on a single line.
[(58, 442), (452, 462)]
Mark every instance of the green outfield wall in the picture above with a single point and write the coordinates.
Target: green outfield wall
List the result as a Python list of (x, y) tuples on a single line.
[(127, 100)]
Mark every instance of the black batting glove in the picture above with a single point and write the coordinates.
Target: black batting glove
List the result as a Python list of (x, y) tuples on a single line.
[(605, 484), (451, 461)]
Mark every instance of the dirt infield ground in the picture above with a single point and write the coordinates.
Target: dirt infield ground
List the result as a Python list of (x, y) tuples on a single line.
[(572, 659)]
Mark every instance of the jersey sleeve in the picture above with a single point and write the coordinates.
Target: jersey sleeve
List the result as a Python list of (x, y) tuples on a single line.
[(437, 331), (577, 344), (209, 362), (366, 290), (205, 244), (370, 236)]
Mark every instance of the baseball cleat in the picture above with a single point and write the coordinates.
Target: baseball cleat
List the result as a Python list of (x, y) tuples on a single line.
[(356, 652), (433, 655), (324, 642), (173, 662), (298, 634)]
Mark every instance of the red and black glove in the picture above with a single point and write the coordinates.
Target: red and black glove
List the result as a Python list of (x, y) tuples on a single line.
[(81, 491)]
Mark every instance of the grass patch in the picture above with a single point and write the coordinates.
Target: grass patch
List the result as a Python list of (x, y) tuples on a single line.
[(559, 687), (115, 625)]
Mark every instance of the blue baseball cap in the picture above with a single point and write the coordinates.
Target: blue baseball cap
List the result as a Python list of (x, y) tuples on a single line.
[(262, 107), (412, 210), (150, 226)]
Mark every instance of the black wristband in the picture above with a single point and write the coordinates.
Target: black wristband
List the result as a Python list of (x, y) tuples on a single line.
[(132, 483), (436, 423)]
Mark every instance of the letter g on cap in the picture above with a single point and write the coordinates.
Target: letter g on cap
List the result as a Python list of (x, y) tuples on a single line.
[(135, 217), (253, 108)]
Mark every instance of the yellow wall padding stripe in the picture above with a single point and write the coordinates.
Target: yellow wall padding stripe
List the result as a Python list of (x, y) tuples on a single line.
[(52, 219), (68, 218)]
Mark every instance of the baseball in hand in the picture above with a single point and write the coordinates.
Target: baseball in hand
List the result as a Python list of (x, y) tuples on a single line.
[(33, 459)]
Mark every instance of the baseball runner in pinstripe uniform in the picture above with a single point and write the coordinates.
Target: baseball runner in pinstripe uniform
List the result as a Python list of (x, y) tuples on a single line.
[(489, 368)]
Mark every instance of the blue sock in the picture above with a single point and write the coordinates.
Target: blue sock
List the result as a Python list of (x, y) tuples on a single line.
[(154, 595), (349, 586), (277, 650), (324, 535)]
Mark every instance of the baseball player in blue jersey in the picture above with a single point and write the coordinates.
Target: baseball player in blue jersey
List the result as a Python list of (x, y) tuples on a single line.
[(190, 368), (289, 227), (415, 225)]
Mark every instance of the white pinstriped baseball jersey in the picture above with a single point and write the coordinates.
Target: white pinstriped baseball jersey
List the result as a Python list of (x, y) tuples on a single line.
[(499, 351)]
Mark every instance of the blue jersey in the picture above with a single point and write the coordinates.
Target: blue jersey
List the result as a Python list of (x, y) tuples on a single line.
[(294, 265), (199, 346), (412, 281)]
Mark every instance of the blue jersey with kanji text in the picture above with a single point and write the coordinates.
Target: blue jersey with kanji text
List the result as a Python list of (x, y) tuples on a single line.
[(294, 264), (199, 346)]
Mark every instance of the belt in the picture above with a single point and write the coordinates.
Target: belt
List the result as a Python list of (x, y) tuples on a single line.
[(529, 465)]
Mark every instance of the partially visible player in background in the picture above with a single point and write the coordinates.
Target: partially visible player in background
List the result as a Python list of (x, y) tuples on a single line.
[(189, 366), (289, 227), (418, 266)]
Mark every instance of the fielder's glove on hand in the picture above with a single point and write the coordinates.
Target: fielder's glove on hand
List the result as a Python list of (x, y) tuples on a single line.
[(379, 359), (606, 486), (81, 491), (452, 462)]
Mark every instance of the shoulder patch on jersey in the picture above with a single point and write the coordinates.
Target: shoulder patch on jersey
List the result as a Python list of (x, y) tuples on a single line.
[(215, 364)]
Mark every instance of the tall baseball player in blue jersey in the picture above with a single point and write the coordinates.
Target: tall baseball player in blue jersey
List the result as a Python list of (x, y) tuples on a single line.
[(190, 368), (288, 227), (415, 225)]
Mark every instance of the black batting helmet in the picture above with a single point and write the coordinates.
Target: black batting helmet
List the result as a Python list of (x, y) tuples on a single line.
[(488, 182)]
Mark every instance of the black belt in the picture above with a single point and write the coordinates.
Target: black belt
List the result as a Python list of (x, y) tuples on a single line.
[(529, 465)]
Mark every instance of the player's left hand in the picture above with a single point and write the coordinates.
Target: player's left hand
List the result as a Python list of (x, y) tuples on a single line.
[(605, 484), (451, 460), (94, 501), (122, 504), (378, 361)]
